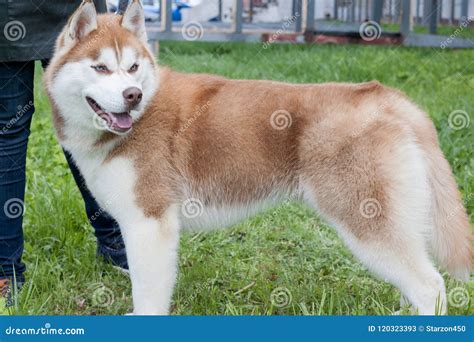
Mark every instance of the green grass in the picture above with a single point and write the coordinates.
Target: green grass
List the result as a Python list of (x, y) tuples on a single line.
[(459, 31), (235, 271)]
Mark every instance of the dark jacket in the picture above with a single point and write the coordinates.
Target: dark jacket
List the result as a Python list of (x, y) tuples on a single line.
[(28, 28)]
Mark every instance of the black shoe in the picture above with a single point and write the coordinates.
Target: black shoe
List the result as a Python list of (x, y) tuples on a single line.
[(7, 291)]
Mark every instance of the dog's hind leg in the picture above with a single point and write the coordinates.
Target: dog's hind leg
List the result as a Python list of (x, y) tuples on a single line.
[(374, 190), (404, 262)]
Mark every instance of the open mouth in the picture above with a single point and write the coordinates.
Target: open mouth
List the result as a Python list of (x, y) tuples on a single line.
[(118, 122)]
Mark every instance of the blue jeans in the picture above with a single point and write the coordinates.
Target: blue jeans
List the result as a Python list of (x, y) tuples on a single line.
[(16, 110)]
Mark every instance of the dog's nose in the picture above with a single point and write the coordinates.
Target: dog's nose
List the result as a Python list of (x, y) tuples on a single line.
[(132, 96)]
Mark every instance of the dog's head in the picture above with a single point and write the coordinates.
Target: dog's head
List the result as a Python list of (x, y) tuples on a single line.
[(102, 75)]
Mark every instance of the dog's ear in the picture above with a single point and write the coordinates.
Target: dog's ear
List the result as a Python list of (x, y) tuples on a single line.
[(82, 22), (134, 20)]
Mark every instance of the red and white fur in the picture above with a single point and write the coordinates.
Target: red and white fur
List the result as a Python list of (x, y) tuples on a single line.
[(212, 140)]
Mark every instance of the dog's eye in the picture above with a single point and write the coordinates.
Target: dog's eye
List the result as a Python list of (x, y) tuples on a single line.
[(100, 68), (133, 68)]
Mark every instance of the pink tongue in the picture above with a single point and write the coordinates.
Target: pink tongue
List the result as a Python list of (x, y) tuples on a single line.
[(122, 120)]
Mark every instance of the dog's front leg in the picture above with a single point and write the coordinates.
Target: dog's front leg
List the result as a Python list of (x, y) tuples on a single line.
[(151, 246)]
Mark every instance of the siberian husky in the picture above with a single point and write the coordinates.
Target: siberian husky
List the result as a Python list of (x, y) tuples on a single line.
[(162, 150)]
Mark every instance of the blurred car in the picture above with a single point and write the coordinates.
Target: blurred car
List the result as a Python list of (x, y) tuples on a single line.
[(152, 9)]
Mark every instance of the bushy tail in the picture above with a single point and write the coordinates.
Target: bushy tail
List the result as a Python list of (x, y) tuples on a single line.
[(452, 240)]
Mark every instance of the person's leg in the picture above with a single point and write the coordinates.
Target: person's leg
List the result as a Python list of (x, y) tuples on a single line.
[(110, 244), (16, 110)]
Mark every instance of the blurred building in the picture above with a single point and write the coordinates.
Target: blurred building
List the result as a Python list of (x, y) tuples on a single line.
[(260, 11), (273, 11)]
